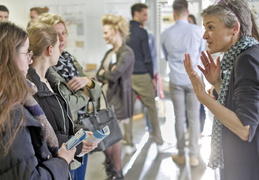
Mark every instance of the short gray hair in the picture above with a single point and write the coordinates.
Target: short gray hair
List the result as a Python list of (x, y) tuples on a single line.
[(231, 11)]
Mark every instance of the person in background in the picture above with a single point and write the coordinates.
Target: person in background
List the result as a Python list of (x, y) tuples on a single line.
[(115, 73), (4, 13), (76, 81), (142, 77), (35, 12), (45, 45), (24, 129), (192, 19), (157, 79), (177, 40), (230, 28)]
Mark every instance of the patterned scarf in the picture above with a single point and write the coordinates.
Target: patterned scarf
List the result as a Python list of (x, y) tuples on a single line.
[(66, 69), (34, 108), (226, 65), (65, 66)]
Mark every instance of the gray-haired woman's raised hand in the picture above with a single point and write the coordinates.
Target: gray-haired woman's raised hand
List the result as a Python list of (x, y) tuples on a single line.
[(211, 69)]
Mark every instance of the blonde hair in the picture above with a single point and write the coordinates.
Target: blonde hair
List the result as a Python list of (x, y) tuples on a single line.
[(41, 36), (117, 23), (51, 19)]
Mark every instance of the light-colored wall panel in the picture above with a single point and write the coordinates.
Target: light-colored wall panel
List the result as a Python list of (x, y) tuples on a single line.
[(85, 28)]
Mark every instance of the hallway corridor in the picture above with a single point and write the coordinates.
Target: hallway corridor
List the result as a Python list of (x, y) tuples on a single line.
[(149, 164)]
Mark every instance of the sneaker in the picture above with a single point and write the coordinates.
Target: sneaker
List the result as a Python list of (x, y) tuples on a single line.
[(179, 159), (194, 161), (130, 149)]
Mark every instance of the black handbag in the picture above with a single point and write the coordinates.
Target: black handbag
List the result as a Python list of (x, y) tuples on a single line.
[(97, 118)]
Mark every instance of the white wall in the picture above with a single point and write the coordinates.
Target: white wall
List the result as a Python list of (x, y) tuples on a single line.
[(85, 28)]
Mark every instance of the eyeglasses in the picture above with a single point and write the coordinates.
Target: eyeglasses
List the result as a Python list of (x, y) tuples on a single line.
[(229, 6), (29, 55)]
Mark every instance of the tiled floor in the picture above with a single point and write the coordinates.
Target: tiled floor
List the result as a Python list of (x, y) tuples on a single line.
[(148, 164)]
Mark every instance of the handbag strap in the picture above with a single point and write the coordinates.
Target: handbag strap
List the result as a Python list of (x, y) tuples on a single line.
[(95, 109), (109, 109), (105, 100)]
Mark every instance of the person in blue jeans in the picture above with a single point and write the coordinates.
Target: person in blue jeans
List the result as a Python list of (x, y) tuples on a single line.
[(79, 173)]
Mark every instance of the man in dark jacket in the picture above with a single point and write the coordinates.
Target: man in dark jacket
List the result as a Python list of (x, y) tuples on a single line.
[(142, 77)]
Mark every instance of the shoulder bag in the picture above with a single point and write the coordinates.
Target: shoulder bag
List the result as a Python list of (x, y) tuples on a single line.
[(96, 119)]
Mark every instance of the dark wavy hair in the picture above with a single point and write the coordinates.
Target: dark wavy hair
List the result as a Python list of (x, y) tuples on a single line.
[(137, 8)]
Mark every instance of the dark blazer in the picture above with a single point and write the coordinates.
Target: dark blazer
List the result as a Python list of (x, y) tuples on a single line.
[(241, 158), (138, 41), (119, 92), (28, 156)]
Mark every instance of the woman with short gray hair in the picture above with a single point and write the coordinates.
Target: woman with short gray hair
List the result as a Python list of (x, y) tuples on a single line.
[(230, 28)]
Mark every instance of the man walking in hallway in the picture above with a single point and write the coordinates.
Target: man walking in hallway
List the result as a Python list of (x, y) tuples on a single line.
[(142, 77), (179, 39)]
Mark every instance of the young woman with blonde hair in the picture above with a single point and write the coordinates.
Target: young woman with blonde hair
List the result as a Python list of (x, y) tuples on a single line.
[(115, 74)]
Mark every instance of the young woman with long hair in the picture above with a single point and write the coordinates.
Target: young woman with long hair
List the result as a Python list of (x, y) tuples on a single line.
[(28, 144)]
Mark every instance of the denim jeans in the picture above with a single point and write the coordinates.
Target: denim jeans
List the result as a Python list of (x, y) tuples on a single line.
[(79, 173), (185, 104)]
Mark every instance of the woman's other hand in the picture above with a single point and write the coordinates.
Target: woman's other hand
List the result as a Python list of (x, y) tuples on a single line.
[(211, 70), (68, 155), (88, 146), (78, 83)]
